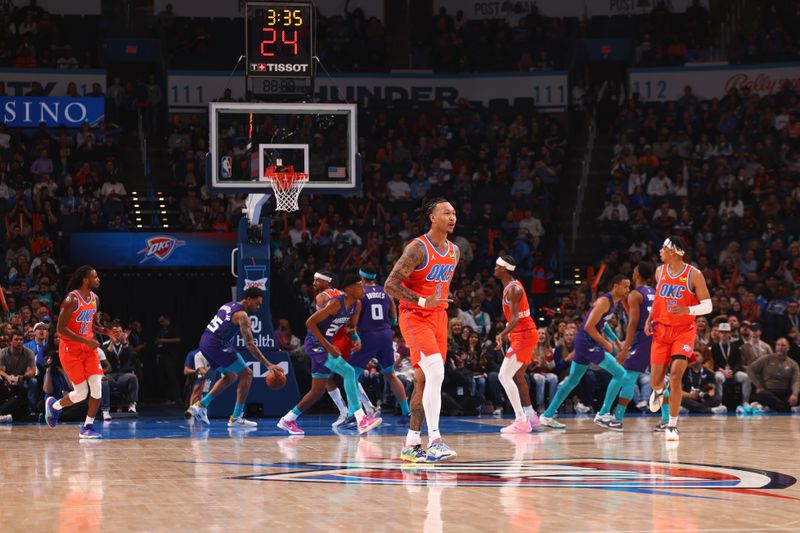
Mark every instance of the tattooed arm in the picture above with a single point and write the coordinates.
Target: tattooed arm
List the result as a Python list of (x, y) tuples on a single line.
[(413, 256), (243, 320)]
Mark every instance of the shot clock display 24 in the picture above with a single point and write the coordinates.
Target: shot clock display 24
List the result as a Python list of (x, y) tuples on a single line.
[(280, 38)]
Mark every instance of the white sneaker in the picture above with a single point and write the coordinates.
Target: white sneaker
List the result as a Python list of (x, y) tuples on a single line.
[(132, 407), (642, 405), (656, 399), (338, 422), (498, 412), (582, 409), (671, 433), (198, 412), (551, 423), (796, 409), (241, 423), (602, 420), (6, 419), (106, 416), (719, 410)]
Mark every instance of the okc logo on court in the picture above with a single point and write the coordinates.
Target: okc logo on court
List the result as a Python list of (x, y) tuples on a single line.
[(671, 291), (160, 247), (440, 273), (608, 474)]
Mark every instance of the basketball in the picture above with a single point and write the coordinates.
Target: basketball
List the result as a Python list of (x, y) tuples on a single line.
[(276, 380)]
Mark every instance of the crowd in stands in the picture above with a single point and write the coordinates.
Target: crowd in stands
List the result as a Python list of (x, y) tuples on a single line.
[(769, 32), (725, 175)]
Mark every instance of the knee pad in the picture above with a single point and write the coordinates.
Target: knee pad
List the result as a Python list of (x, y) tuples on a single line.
[(79, 392), (95, 386)]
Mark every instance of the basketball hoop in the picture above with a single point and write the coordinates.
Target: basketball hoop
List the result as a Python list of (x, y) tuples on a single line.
[(286, 184)]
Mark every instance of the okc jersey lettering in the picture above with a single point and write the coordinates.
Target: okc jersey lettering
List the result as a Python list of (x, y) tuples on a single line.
[(441, 273), (432, 278), (667, 290), (673, 291), (82, 319)]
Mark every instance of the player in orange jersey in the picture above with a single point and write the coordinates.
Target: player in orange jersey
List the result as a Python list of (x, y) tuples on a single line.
[(421, 281), (77, 324), (681, 294), (521, 331)]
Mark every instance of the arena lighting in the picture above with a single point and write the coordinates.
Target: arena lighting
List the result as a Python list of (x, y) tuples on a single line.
[(166, 225), (138, 219), (578, 282), (161, 205), (558, 282), (138, 225), (136, 205)]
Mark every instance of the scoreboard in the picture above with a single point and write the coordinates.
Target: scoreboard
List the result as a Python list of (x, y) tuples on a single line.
[(280, 47)]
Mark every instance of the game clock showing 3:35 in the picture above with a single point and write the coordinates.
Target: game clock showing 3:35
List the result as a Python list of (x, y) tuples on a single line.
[(280, 39)]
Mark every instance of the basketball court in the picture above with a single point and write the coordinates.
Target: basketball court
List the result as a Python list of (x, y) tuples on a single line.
[(726, 474)]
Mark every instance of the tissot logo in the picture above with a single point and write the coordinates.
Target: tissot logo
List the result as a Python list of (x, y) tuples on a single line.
[(615, 474)]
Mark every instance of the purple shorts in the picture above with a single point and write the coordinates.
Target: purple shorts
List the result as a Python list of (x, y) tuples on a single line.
[(319, 356), (639, 355), (377, 345), (588, 351), (219, 354)]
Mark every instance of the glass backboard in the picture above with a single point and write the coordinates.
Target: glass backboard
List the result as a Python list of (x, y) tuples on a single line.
[(248, 138)]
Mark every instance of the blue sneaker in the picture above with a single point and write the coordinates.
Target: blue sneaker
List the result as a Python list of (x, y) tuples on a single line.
[(404, 420), (349, 423), (439, 451), (88, 432), (51, 414)]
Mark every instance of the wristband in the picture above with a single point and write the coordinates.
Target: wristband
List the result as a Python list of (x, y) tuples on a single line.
[(354, 337), (392, 321), (421, 301)]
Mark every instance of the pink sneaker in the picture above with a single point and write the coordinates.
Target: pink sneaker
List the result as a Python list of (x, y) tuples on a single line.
[(517, 427), (290, 427), (534, 421), (368, 423)]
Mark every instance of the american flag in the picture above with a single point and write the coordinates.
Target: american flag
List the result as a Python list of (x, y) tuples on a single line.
[(336, 172)]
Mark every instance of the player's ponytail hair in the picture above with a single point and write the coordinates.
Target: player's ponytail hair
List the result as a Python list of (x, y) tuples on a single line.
[(76, 280), (424, 213)]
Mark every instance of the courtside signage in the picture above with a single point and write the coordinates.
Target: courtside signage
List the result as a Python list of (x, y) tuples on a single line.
[(667, 84), (30, 111)]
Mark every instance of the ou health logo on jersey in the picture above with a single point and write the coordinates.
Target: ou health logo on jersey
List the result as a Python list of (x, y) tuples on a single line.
[(159, 247), (652, 477)]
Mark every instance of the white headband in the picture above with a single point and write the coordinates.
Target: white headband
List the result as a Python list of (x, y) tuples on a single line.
[(505, 264), (323, 277), (669, 245)]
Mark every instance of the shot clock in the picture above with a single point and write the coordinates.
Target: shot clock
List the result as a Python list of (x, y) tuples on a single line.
[(280, 39)]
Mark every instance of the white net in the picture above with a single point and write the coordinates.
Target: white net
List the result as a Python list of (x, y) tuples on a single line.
[(287, 187)]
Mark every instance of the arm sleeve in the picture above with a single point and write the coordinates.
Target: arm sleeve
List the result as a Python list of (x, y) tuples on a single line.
[(754, 372), (609, 333), (796, 380)]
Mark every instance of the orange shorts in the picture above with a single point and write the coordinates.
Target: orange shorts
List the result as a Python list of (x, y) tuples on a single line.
[(79, 361), (425, 333), (523, 343), (671, 341), (344, 343)]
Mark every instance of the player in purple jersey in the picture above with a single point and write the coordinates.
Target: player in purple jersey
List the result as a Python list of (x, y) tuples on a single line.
[(215, 343), (378, 316), (592, 347), (325, 357), (636, 349)]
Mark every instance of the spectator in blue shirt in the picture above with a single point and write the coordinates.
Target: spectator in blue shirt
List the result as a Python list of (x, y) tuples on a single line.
[(40, 342)]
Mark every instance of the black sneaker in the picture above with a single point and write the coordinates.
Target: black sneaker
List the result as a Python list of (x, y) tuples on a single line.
[(661, 427), (614, 424)]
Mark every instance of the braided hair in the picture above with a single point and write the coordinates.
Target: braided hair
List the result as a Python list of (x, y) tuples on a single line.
[(425, 212), (76, 280)]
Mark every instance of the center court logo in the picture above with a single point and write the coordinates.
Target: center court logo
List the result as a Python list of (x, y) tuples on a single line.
[(159, 247), (609, 474)]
